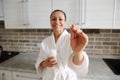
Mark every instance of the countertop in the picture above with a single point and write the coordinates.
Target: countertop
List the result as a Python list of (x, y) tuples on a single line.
[(98, 70), (23, 62)]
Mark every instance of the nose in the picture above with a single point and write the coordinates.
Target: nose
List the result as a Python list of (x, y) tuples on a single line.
[(57, 21)]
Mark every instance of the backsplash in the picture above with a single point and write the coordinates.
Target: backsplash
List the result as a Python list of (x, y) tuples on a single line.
[(27, 40)]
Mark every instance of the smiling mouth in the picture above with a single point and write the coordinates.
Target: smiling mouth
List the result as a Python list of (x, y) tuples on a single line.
[(57, 26)]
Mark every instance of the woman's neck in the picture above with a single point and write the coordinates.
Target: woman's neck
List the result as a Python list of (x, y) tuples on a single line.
[(57, 35)]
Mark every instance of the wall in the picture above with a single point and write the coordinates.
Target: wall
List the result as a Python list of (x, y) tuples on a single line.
[(27, 40)]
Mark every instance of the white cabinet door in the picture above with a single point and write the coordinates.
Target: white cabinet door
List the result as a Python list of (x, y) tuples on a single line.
[(5, 75), (117, 15), (70, 7), (25, 76), (39, 12), (13, 13), (97, 14), (1, 10), (27, 13)]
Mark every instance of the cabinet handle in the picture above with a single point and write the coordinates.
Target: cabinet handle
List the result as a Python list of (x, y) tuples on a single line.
[(3, 75)]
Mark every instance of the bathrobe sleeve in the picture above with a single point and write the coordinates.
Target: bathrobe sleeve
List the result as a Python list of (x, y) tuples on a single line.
[(82, 69), (41, 57)]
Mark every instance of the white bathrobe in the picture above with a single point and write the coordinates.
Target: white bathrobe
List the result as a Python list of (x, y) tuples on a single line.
[(66, 69)]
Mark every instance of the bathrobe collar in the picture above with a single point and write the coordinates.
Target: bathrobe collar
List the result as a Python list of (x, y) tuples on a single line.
[(60, 39)]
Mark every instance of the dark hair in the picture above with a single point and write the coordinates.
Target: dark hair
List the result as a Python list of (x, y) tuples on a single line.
[(57, 10)]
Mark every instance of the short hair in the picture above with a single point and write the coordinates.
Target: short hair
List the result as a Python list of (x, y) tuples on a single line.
[(57, 10)]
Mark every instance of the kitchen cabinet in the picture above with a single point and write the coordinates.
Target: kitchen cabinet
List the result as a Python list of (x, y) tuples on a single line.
[(14, 14), (5, 75), (11, 75), (71, 8), (117, 15), (97, 14), (20, 14), (1, 10), (89, 14), (25, 76), (38, 13)]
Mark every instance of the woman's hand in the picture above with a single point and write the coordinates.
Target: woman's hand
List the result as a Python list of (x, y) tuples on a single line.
[(49, 62), (79, 39)]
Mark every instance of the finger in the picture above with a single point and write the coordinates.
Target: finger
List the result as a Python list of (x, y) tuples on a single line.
[(54, 62), (51, 57), (83, 37), (73, 31), (51, 63), (76, 30)]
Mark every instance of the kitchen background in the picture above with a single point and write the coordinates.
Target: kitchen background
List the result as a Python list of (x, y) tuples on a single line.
[(101, 42), (26, 23)]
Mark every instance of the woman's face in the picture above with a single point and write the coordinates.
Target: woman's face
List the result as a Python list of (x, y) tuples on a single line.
[(57, 21)]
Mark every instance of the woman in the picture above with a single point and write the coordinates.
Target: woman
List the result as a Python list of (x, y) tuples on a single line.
[(61, 55)]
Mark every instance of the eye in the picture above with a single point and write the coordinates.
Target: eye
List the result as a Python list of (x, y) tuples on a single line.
[(60, 19), (53, 19)]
